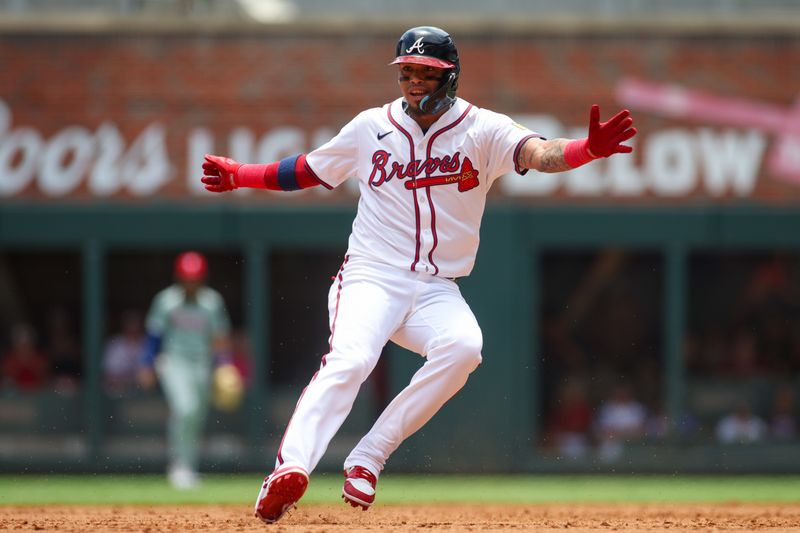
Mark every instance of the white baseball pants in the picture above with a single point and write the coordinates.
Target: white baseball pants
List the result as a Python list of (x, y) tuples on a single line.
[(369, 304)]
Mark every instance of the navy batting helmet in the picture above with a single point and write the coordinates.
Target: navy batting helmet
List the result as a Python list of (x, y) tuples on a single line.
[(431, 46)]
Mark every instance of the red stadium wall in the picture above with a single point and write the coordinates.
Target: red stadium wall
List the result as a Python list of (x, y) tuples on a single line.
[(127, 117)]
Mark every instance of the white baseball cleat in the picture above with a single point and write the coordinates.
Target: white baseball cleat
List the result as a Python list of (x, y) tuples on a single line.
[(280, 492), (359, 487)]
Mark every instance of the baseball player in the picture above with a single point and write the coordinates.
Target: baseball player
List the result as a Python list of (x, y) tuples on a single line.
[(424, 164), (187, 333)]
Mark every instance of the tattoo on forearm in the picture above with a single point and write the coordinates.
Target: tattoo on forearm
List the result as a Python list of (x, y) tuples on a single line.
[(546, 157), (551, 158)]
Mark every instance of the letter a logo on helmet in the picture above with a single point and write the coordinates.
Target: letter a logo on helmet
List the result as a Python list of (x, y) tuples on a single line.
[(416, 46)]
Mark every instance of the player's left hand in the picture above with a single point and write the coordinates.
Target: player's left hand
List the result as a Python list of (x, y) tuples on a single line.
[(606, 138), (219, 173)]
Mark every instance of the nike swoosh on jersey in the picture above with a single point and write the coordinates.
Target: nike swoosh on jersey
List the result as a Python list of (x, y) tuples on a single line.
[(382, 135)]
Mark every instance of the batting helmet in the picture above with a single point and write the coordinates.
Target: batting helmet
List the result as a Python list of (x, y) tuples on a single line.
[(191, 266), (431, 46)]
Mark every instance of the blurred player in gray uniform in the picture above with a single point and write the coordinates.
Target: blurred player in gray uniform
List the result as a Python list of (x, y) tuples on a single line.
[(187, 333), (424, 164)]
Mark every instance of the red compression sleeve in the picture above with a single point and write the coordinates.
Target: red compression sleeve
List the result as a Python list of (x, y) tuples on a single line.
[(288, 174), (576, 153)]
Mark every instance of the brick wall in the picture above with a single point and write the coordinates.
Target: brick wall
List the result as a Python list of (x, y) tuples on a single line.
[(59, 90)]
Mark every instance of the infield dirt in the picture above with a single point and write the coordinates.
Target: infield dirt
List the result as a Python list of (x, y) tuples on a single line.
[(339, 518)]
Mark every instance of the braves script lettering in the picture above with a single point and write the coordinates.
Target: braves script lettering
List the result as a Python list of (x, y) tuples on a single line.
[(450, 167)]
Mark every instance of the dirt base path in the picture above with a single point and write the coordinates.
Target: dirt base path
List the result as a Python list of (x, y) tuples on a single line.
[(339, 518)]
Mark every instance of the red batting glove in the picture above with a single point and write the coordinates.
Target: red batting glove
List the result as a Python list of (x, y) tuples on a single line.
[(219, 173), (606, 138)]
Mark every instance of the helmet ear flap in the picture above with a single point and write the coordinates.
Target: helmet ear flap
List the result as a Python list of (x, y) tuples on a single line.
[(452, 82)]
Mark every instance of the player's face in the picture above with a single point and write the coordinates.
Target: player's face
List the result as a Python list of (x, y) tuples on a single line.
[(418, 81), (191, 287)]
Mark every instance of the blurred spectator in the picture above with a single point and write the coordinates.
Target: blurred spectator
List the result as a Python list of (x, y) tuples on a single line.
[(24, 366), (741, 426), (622, 418), (771, 282), (770, 300), (570, 420), (746, 315), (123, 354), (600, 318), (63, 349), (743, 358), (782, 420)]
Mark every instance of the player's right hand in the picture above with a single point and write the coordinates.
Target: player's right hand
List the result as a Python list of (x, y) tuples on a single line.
[(219, 173)]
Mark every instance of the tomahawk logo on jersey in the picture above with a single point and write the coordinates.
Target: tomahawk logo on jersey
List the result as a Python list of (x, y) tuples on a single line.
[(436, 182)]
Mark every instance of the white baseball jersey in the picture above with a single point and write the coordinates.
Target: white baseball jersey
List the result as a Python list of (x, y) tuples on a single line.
[(422, 199), (422, 194)]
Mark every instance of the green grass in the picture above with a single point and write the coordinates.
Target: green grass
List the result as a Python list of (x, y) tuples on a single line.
[(400, 489)]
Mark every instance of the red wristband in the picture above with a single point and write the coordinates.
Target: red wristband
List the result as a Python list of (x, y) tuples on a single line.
[(253, 175), (577, 153), (288, 174)]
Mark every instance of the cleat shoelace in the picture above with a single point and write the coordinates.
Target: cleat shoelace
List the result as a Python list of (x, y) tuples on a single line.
[(361, 472)]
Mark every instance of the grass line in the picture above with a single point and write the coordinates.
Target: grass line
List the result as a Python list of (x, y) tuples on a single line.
[(121, 489)]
